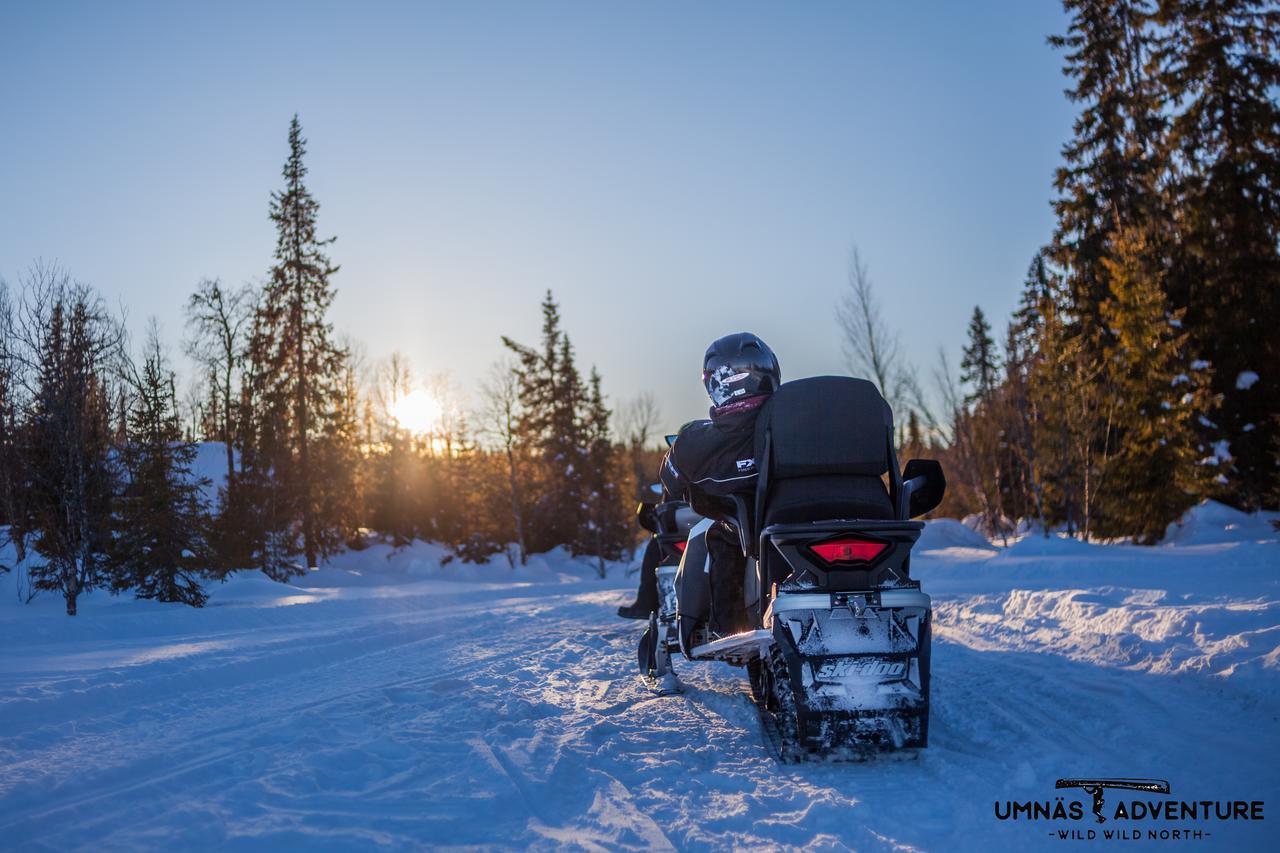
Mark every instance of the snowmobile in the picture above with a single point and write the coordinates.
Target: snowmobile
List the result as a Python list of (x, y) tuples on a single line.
[(839, 644), (670, 522)]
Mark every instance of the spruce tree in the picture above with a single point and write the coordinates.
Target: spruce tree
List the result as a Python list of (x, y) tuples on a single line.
[(607, 530), (161, 543), (980, 364), (1220, 64), (1108, 179), (70, 468), (1022, 415), (297, 382), (1153, 472), (566, 449), (1028, 317), (550, 426)]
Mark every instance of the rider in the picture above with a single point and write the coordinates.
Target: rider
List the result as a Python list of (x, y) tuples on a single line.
[(711, 460)]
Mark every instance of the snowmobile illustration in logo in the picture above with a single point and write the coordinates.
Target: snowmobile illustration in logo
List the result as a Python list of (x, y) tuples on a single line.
[(839, 652)]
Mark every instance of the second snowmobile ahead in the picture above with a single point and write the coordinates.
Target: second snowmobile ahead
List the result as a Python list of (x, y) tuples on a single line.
[(838, 656), (670, 523)]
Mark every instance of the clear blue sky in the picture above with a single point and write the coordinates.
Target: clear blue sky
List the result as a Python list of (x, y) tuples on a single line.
[(672, 171)]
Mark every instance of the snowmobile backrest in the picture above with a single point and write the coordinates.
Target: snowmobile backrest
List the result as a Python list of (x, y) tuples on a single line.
[(825, 425), (822, 446)]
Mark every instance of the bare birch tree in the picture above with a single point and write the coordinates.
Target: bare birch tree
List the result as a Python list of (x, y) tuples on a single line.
[(499, 422), (638, 422), (217, 325), (874, 350)]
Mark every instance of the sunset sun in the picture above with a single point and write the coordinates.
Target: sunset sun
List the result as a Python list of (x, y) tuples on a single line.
[(418, 412)]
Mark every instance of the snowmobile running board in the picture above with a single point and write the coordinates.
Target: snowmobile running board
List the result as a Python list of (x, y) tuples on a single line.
[(735, 648)]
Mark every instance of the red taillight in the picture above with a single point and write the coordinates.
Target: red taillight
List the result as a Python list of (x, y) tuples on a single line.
[(848, 550), (681, 545)]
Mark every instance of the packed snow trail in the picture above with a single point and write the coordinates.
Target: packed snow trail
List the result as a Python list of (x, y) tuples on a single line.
[(376, 704)]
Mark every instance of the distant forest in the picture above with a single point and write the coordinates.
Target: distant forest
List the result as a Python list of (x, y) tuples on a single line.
[(1136, 377)]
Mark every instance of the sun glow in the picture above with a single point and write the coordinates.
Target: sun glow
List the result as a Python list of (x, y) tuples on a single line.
[(418, 412)]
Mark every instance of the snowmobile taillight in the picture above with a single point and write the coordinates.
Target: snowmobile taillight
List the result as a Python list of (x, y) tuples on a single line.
[(681, 545), (848, 549)]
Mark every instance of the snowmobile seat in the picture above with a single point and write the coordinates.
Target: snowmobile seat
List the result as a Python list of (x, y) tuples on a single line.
[(821, 498), (823, 447)]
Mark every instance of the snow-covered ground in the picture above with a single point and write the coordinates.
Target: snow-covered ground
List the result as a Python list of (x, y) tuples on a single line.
[(387, 701)]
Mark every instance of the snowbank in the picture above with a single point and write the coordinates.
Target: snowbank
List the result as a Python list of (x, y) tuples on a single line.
[(944, 533), (381, 564), (1212, 523)]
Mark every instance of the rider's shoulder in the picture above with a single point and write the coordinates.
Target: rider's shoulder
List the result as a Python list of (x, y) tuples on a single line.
[(691, 428)]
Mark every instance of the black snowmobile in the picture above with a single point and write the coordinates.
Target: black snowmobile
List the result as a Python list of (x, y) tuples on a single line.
[(838, 655), (670, 523)]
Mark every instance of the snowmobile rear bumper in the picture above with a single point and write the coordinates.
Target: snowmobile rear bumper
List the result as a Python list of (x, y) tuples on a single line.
[(858, 664)]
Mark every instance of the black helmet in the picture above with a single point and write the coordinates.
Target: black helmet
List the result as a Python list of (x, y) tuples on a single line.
[(739, 366)]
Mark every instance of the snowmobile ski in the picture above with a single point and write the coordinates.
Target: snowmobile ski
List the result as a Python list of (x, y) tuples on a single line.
[(654, 656), (662, 685)]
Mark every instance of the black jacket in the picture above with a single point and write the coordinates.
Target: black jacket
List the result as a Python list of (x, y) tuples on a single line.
[(712, 460)]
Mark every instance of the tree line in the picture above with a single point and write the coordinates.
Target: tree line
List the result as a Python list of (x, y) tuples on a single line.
[(1137, 375), (99, 486)]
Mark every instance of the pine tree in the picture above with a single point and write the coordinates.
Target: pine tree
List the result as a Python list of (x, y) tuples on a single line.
[(1023, 416), (565, 449), (161, 543), (980, 364), (607, 531), (1028, 318), (550, 427), (1109, 177), (1220, 63), (72, 474), (297, 378)]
